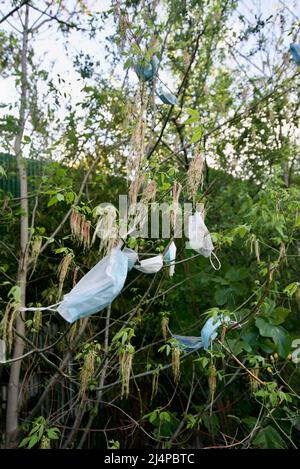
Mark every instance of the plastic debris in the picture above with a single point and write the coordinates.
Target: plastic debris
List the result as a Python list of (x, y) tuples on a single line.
[(132, 257), (170, 257), (199, 237), (209, 330), (167, 97), (188, 342), (150, 266), (207, 335), (102, 284), (97, 289), (148, 71), (295, 52)]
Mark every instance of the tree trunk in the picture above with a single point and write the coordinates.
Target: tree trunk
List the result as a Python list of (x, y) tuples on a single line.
[(14, 378)]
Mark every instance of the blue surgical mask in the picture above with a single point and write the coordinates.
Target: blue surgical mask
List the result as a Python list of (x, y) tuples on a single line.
[(97, 289)]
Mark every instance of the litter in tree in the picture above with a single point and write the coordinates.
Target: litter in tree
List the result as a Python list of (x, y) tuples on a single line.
[(199, 236), (97, 289), (170, 257), (148, 71), (295, 52), (207, 335)]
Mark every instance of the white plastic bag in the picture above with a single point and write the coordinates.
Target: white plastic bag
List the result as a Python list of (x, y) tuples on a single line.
[(97, 289)]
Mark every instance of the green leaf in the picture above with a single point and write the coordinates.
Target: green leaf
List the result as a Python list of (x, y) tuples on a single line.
[(191, 120), (56, 198), (53, 433), (197, 135), (52, 201), (60, 197), (193, 112), (135, 48), (15, 292), (269, 438), (265, 328), (279, 315), (282, 340), (241, 230), (153, 417), (24, 442), (2, 172), (33, 441), (237, 274), (165, 417), (279, 335), (70, 196), (221, 296), (291, 289)]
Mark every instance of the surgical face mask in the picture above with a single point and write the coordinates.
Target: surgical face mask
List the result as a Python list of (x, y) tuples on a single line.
[(188, 342), (170, 257), (148, 71), (199, 237), (167, 97), (295, 52), (97, 289), (150, 266), (207, 335), (132, 257), (209, 330)]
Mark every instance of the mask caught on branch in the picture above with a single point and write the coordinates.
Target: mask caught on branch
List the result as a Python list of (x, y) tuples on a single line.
[(167, 97), (170, 257), (146, 70), (199, 237), (97, 289), (207, 335), (150, 266), (295, 53)]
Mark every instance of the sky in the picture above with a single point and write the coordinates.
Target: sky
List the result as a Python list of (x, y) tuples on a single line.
[(53, 55), (49, 49)]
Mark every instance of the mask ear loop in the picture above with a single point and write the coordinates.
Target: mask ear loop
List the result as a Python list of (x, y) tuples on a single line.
[(219, 265), (43, 308)]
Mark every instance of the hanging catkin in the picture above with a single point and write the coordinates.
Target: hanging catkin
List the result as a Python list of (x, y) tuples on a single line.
[(35, 251), (106, 228), (7, 323), (63, 270), (155, 379), (80, 228), (134, 190), (125, 360), (212, 384), (164, 326), (87, 371), (195, 175), (149, 192), (253, 382), (137, 143), (176, 363), (176, 190), (37, 320)]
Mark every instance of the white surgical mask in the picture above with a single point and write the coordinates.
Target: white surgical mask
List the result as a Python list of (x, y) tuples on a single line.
[(150, 266), (199, 237)]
